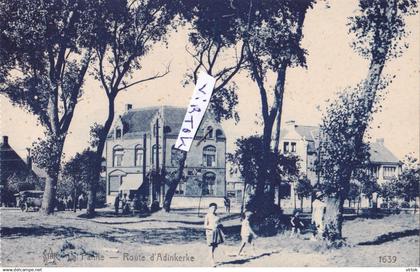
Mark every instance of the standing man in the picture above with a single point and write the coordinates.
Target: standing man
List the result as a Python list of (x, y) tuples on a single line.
[(318, 213), (117, 203), (81, 201), (69, 203), (227, 204)]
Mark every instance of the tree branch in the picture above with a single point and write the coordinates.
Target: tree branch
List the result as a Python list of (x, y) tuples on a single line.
[(158, 75)]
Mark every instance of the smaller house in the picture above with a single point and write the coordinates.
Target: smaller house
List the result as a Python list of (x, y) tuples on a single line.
[(14, 168)]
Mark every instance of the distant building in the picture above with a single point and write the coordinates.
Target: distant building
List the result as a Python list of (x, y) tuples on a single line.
[(131, 153), (12, 166), (304, 142)]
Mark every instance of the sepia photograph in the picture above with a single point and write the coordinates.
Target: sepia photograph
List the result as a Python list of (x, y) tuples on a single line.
[(209, 134)]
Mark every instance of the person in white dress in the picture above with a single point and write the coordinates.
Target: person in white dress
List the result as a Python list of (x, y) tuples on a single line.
[(214, 234), (247, 234)]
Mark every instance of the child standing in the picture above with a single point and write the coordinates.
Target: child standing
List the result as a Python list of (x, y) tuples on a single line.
[(247, 234), (296, 224), (214, 234)]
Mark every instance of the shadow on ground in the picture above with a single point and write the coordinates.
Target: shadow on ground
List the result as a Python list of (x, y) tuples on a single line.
[(62, 232), (390, 237), (248, 259)]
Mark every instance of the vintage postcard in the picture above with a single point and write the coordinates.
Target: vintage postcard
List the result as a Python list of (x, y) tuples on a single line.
[(209, 133)]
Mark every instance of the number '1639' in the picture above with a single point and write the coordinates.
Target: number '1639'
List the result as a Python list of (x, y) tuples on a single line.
[(387, 259)]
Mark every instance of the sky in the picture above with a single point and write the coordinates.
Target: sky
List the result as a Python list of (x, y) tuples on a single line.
[(332, 66)]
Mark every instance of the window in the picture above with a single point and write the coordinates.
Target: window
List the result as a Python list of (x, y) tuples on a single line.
[(118, 133), (293, 147), (209, 132), (114, 184), (118, 156), (286, 147), (138, 156), (209, 179), (389, 171), (209, 156), (154, 153), (219, 134), (375, 171)]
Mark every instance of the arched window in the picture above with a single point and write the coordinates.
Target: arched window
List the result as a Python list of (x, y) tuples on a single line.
[(209, 180), (209, 132), (174, 157), (209, 156), (118, 154), (154, 153), (138, 155), (219, 133), (118, 133)]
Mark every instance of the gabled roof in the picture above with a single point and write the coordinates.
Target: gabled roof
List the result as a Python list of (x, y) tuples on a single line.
[(309, 132), (379, 153), (11, 162), (138, 121)]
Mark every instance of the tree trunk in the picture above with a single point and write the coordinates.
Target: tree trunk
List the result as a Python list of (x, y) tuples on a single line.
[(91, 201), (48, 199), (333, 218), (50, 191), (90, 210), (301, 204), (174, 183)]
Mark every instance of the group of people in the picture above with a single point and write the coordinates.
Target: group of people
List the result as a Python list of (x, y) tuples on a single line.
[(67, 203), (122, 203), (215, 235), (130, 204)]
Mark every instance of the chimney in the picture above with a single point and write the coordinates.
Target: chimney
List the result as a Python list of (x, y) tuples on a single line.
[(128, 107), (380, 141), (291, 123), (5, 140)]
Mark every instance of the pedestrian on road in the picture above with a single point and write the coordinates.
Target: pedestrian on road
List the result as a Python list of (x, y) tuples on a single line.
[(69, 203), (296, 223), (214, 233), (227, 204), (247, 234), (318, 214), (117, 203), (81, 201)]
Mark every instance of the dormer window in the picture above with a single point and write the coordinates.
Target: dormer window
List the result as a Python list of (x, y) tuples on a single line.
[(118, 133), (219, 133), (209, 132)]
